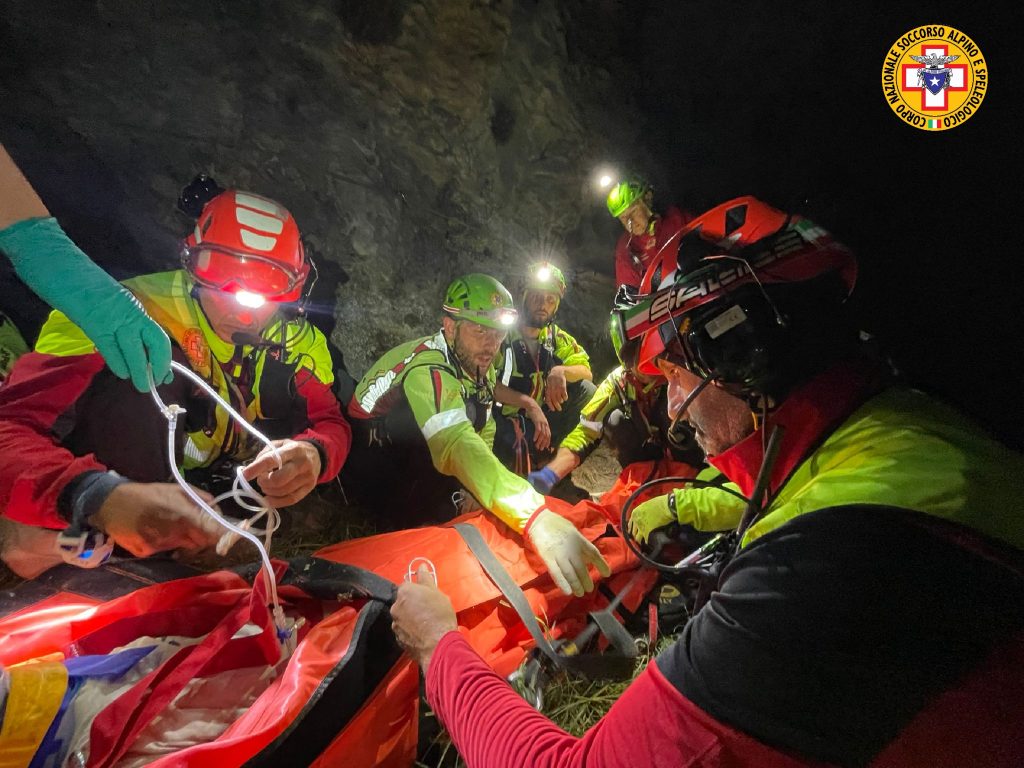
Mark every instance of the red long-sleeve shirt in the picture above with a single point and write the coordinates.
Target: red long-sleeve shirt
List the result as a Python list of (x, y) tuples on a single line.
[(651, 724), (634, 253)]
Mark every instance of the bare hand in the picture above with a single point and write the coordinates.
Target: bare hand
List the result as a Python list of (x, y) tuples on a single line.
[(466, 502), (146, 518), (297, 476), (541, 428), (421, 616), (556, 388)]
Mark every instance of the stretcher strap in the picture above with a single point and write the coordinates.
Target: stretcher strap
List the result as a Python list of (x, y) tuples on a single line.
[(589, 665), (515, 596)]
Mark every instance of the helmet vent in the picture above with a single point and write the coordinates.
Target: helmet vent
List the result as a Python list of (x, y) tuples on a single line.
[(257, 242), (258, 221), (735, 218), (260, 204)]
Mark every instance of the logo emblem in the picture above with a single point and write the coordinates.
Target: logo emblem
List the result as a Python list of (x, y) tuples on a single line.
[(496, 299), (934, 78), (196, 350)]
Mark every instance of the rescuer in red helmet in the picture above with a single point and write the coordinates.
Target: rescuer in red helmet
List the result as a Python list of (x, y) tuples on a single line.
[(85, 454), (866, 605)]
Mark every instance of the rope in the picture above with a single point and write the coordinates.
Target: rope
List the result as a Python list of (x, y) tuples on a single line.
[(521, 447), (241, 491)]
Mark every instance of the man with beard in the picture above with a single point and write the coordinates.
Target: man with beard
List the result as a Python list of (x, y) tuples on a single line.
[(868, 610), (423, 424), (545, 363)]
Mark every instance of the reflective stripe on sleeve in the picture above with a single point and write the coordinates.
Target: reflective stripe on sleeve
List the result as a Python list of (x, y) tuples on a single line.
[(443, 420)]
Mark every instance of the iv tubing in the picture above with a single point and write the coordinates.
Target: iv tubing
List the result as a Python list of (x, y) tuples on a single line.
[(172, 412)]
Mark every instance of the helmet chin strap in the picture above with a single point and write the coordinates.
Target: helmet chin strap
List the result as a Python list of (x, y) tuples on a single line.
[(455, 358), (243, 339), (689, 401)]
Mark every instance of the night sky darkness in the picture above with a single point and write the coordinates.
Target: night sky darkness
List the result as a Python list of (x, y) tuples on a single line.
[(784, 101), (788, 107)]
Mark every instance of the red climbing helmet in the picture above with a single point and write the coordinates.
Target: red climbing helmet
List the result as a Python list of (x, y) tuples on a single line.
[(246, 242)]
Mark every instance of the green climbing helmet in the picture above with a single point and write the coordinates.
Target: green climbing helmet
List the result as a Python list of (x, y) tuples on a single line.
[(624, 195), (545, 276), (481, 299)]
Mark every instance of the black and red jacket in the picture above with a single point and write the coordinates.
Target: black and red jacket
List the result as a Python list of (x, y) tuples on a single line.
[(855, 635), (64, 418)]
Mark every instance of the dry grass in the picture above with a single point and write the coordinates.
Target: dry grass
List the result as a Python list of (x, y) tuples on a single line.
[(575, 705)]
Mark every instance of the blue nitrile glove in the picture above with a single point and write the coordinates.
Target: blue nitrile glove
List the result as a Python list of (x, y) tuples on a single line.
[(107, 312), (543, 480)]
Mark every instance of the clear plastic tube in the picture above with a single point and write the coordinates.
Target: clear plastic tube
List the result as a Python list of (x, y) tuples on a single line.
[(172, 412)]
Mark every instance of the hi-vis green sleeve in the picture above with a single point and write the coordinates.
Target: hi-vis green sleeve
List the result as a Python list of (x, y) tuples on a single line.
[(457, 450), (709, 509), (588, 432)]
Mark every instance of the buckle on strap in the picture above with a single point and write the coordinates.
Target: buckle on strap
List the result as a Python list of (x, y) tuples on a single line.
[(565, 656)]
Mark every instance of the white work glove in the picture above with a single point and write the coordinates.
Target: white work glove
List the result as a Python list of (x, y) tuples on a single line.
[(565, 552)]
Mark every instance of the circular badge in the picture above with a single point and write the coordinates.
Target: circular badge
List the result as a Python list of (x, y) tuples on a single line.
[(934, 77), (196, 350)]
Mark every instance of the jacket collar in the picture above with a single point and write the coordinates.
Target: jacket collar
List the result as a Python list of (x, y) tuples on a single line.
[(809, 415)]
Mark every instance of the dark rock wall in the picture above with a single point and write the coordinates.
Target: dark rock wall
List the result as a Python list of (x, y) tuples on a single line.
[(412, 141), (415, 139)]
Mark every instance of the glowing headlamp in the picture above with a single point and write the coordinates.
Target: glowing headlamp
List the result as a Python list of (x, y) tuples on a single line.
[(544, 273), (507, 317), (604, 177), (250, 299)]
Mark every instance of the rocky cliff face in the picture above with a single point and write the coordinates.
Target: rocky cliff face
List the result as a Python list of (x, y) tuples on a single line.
[(412, 139), (415, 139)]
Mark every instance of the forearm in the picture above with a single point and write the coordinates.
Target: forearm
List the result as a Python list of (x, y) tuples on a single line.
[(651, 724), (36, 468), (42, 254), (460, 452), (510, 397), (565, 461), (708, 509), (18, 201), (489, 723), (327, 426), (576, 372)]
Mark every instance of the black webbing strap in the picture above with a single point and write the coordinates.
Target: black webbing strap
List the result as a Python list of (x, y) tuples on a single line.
[(592, 666)]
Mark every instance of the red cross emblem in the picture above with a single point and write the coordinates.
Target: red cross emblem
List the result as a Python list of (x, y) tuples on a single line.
[(910, 79)]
